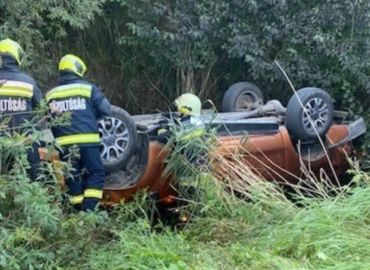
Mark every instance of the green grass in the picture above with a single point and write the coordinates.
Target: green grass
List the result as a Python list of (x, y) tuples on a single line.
[(330, 234), (263, 231), (227, 234)]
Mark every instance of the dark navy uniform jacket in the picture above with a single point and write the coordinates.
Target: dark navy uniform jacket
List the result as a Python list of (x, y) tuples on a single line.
[(19, 94), (85, 102)]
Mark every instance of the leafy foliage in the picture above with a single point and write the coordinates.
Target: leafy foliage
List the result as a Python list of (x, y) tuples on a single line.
[(41, 27), (319, 43), (159, 49), (143, 54)]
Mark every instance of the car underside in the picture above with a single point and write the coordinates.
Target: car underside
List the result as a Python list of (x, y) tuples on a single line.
[(272, 140)]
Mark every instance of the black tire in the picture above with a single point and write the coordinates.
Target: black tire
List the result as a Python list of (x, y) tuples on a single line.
[(118, 144), (320, 108), (231, 99)]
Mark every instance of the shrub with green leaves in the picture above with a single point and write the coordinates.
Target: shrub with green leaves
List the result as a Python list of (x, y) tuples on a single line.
[(42, 28)]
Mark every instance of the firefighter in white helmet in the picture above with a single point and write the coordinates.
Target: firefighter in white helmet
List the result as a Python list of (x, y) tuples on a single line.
[(188, 136), (189, 106)]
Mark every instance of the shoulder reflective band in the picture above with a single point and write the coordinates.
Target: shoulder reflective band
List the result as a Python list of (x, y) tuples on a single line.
[(16, 89), (69, 90), (93, 193), (76, 199), (192, 134), (78, 138)]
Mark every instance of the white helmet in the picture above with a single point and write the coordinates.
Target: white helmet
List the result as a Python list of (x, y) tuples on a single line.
[(188, 104)]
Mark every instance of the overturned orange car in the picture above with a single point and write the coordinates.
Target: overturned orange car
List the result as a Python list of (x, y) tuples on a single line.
[(272, 139)]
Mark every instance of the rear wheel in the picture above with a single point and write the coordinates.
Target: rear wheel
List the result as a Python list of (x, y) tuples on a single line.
[(242, 96), (316, 114)]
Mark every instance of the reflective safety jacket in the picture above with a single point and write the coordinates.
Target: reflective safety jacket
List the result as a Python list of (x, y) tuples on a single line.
[(190, 135), (19, 95), (190, 127), (86, 103)]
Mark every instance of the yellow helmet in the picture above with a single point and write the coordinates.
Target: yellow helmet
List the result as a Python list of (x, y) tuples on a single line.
[(72, 63), (12, 48), (188, 104)]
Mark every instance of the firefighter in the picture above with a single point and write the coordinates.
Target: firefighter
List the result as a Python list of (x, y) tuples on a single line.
[(86, 103), (189, 106), (189, 143), (189, 127), (19, 96)]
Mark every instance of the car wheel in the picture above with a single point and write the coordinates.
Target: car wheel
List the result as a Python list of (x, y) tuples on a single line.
[(320, 109), (118, 139), (242, 96)]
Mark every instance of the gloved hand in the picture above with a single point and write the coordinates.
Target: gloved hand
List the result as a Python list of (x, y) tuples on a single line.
[(163, 135), (164, 124)]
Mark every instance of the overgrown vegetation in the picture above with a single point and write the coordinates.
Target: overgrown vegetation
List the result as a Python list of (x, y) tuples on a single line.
[(156, 50), (264, 230)]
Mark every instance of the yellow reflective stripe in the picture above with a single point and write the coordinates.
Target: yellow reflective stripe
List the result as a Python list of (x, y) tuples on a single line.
[(16, 89), (161, 131), (10, 91), (193, 134), (93, 193), (76, 199), (78, 138), (70, 90)]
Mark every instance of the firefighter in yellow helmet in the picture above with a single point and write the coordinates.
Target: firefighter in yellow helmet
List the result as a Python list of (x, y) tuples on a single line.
[(86, 103), (19, 96)]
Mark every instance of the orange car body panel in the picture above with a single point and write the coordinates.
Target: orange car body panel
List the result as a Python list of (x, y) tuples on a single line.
[(271, 155), (152, 180), (274, 157)]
